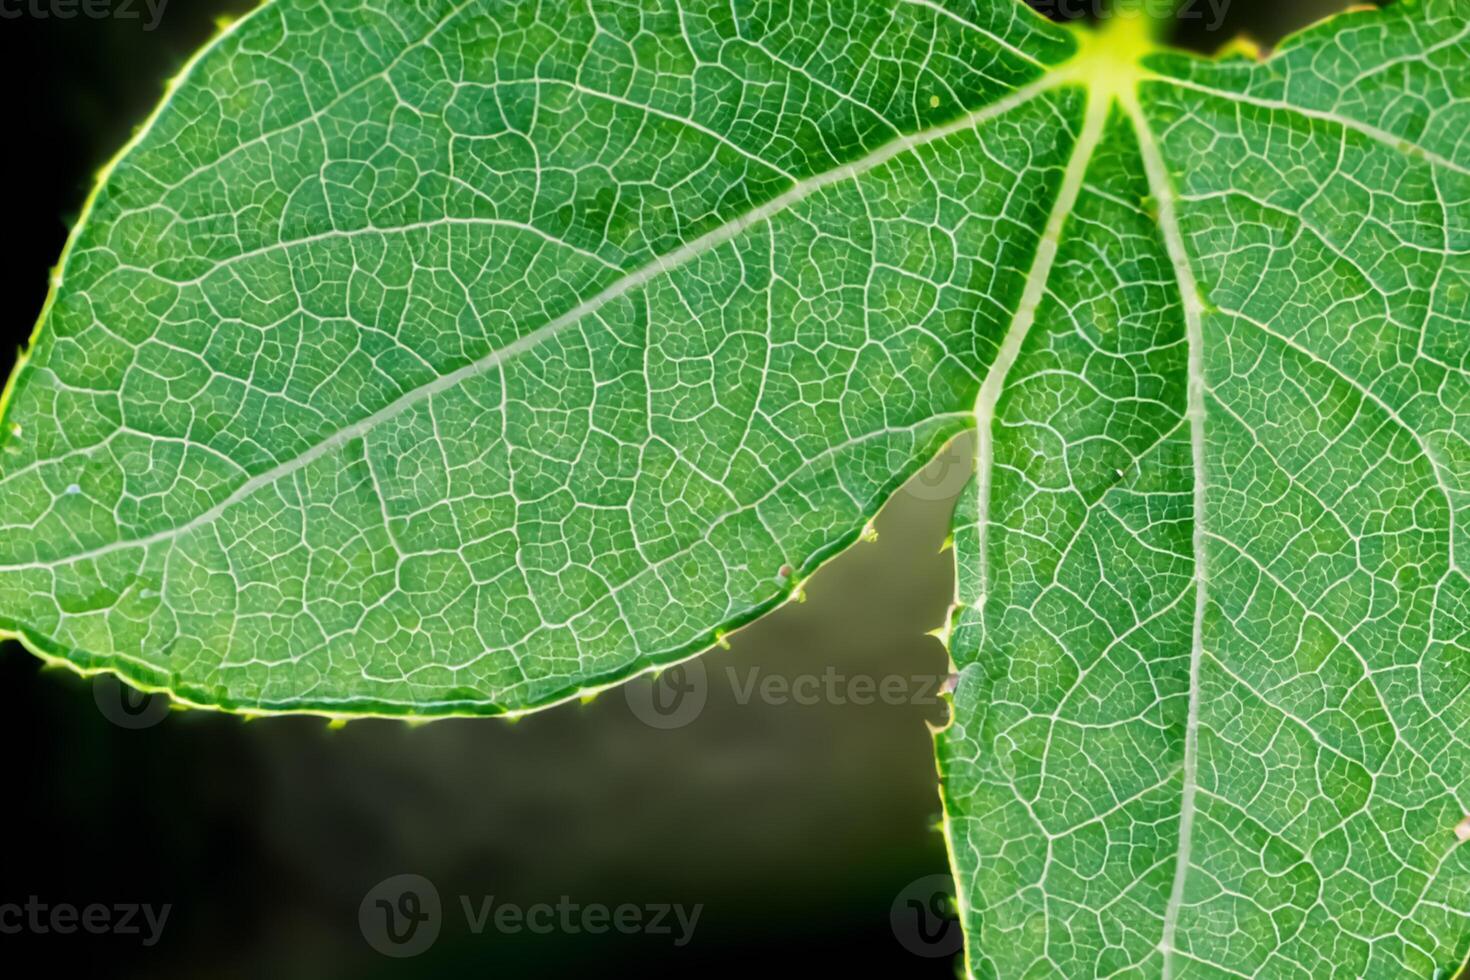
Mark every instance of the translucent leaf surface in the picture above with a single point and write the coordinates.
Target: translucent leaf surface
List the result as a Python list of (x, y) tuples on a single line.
[(423, 359)]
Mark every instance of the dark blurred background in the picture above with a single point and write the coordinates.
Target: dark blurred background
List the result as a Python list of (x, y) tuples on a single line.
[(797, 827)]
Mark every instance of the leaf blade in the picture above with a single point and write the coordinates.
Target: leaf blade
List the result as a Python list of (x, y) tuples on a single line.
[(1115, 806), (250, 492)]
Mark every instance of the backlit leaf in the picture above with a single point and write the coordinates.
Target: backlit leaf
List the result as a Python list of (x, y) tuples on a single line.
[(421, 358)]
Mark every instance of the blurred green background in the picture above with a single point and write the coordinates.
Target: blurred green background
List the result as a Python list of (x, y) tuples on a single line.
[(796, 826)]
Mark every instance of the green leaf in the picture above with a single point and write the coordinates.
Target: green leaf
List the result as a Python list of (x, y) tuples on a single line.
[(1212, 623), (421, 359)]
